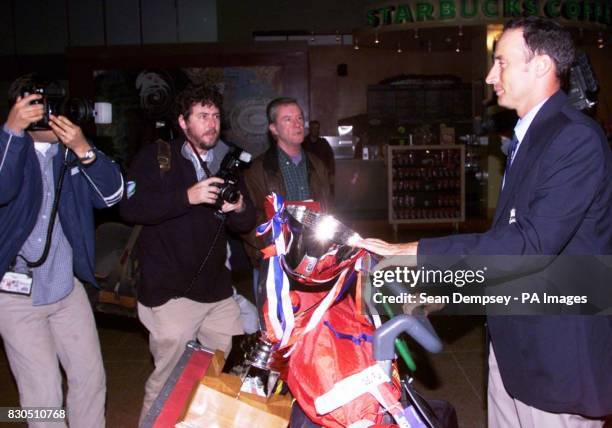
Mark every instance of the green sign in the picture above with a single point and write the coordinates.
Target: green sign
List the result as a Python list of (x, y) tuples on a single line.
[(420, 11)]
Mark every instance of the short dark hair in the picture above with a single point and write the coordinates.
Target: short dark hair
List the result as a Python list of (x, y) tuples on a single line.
[(546, 37), (194, 95), (275, 104)]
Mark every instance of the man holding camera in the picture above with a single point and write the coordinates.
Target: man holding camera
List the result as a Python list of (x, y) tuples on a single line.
[(47, 195), (185, 291)]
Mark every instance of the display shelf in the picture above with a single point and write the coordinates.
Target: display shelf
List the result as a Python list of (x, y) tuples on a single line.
[(426, 184)]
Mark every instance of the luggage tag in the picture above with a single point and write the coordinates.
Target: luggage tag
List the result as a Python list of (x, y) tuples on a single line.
[(17, 283)]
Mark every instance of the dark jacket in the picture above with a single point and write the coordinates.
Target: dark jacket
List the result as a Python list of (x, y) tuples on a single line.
[(264, 177), (557, 201), (321, 149), (98, 185), (177, 236)]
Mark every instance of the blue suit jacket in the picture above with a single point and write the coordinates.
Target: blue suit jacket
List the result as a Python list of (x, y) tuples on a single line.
[(560, 187), (99, 185)]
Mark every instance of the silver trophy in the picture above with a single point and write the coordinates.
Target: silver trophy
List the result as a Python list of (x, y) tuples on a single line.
[(259, 378), (315, 239), (317, 249)]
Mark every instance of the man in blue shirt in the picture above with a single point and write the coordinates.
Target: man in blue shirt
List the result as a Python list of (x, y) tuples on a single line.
[(47, 195)]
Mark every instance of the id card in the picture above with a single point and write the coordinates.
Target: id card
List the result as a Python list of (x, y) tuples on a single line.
[(17, 283)]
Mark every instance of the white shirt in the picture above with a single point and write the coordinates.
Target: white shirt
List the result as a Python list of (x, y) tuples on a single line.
[(523, 124), (42, 147)]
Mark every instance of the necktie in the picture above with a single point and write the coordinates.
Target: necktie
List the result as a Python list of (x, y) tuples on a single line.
[(511, 150)]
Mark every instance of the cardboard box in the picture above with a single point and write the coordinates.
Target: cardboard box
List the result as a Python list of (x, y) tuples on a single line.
[(216, 402)]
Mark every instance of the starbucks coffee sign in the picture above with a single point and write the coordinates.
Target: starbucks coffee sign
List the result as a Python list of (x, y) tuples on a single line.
[(581, 12)]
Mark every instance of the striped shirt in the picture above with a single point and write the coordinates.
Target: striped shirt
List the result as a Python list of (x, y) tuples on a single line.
[(53, 280)]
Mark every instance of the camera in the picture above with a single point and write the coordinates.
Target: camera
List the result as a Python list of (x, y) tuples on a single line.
[(54, 100), (233, 160)]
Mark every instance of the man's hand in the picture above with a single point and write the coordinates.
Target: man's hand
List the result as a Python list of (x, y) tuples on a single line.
[(69, 134), (237, 207), (23, 114), (205, 191), (383, 248)]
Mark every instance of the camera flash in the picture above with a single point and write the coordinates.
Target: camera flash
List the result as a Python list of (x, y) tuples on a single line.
[(245, 156), (103, 113)]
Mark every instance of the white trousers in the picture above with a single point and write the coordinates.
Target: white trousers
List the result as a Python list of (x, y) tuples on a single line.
[(507, 412), (36, 336)]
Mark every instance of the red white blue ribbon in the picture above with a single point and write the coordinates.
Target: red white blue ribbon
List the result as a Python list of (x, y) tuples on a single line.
[(280, 310)]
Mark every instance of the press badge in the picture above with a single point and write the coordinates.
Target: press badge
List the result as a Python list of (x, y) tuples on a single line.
[(17, 283)]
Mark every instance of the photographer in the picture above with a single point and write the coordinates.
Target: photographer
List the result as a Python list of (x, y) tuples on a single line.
[(47, 195), (185, 291)]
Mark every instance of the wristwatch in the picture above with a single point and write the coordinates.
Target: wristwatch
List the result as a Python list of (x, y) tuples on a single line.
[(88, 157)]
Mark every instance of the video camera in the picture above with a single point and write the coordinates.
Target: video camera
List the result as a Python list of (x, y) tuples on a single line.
[(233, 160), (54, 100)]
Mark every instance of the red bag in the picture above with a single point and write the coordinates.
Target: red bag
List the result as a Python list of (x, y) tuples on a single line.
[(336, 349)]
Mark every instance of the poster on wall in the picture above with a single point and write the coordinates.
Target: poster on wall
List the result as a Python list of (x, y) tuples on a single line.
[(143, 105)]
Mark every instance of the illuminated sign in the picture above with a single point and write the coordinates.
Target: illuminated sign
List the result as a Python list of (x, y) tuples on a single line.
[(423, 11)]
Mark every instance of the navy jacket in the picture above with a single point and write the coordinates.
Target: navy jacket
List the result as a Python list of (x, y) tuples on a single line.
[(98, 185), (560, 192)]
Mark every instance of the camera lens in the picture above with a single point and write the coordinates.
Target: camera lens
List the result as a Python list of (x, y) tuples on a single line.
[(79, 110), (230, 194)]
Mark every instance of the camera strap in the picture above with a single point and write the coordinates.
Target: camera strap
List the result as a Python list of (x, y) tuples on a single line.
[(220, 225), (221, 222), (164, 156), (202, 163), (52, 216)]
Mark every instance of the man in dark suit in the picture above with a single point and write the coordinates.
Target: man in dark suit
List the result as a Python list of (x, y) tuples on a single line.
[(556, 200)]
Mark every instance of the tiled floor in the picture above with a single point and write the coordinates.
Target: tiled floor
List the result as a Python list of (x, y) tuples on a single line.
[(457, 374)]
